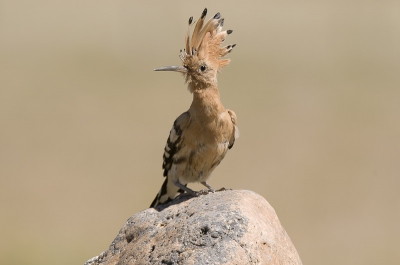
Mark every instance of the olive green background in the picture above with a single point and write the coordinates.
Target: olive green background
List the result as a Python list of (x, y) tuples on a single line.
[(84, 120)]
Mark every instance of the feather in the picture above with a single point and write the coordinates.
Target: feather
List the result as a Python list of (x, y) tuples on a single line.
[(225, 50), (187, 38), (197, 29), (210, 26), (204, 44)]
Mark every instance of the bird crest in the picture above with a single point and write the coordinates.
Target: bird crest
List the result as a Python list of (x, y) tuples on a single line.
[(203, 55)]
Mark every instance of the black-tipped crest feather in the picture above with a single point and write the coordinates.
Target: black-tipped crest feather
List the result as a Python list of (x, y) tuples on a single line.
[(197, 29), (205, 42)]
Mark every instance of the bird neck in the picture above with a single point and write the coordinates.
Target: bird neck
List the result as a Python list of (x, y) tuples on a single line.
[(206, 103)]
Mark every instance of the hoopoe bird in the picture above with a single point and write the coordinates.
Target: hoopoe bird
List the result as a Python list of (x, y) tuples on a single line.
[(201, 136)]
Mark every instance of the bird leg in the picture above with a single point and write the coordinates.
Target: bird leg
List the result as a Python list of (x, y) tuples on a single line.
[(188, 190), (210, 189)]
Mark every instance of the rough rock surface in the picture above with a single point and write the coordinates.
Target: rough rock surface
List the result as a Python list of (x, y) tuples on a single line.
[(227, 227)]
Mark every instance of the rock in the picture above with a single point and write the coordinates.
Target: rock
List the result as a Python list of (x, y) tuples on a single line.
[(227, 227)]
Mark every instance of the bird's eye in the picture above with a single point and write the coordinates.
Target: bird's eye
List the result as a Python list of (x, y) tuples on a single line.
[(203, 68)]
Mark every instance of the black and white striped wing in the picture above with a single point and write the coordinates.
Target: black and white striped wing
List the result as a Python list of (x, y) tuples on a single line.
[(174, 140)]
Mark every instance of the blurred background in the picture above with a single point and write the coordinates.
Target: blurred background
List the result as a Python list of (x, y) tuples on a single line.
[(84, 120)]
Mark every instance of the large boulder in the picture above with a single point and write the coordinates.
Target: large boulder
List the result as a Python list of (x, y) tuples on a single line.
[(227, 227)]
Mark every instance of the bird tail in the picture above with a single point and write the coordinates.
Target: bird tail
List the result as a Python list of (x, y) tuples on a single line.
[(167, 193)]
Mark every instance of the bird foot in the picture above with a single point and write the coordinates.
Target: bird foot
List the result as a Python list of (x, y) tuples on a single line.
[(193, 193), (223, 189), (205, 192)]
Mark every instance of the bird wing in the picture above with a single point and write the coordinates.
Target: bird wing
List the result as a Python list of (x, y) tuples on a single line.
[(174, 141), (235, 132)]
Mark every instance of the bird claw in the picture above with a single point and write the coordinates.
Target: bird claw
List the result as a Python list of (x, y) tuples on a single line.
[(199, 193), (208, 191), (203, 192), (223, 189), (194, 193)]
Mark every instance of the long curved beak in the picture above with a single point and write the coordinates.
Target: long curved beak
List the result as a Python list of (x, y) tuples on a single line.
[(179, 69)]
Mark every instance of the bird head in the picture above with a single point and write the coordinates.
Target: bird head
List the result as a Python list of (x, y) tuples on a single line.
[(202, 56)]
